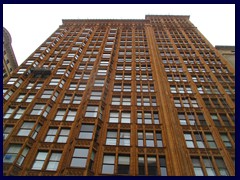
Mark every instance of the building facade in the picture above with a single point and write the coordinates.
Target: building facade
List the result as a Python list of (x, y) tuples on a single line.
[(121, 97), (229, 53), (9, 59)]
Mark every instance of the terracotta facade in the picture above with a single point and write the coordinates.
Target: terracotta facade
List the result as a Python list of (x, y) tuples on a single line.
[(121, 97)]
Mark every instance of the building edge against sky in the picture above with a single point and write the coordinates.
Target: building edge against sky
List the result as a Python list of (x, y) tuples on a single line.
[(121, 97), (9, 59), (228, 53)]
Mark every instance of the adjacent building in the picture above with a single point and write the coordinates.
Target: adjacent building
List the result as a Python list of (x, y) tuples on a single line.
[(138, 97), (9, 59), (228, 52)]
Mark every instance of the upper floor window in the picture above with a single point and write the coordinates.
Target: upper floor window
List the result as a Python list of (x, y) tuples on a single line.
[(59, 135), (64, 114), (7, 131), (41, 109), (12, 154), (79, 158), (48, 160)]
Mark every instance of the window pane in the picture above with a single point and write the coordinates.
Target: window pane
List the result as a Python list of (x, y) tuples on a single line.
[(85, 135), (78, 162), (52, 166), (198, 171), (108, 159), (38, 165), (108, 169)]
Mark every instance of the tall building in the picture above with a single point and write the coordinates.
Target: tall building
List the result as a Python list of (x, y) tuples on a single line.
[(228, 52), (9, 59), (121, 97)]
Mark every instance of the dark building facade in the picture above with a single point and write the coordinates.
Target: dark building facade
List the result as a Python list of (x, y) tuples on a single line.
[(121, 97), (9, 59)]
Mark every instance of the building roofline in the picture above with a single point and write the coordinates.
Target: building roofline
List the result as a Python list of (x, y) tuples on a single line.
[(64, 21), (177, 16), (122, 20)]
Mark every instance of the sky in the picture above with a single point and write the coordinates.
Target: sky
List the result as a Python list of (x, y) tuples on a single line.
[(31, 24)]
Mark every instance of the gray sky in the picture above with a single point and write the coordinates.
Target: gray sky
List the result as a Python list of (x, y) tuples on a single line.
[(30, 25)]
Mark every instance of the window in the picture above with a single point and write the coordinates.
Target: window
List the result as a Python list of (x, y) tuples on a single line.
[(19, 113), (67, 115), (15, 81), (12, 80), (123, 164), (163, 166), (199, 140), (20, 97), (91, 111), (55, 82), (54, 161), (152, 166), (111, 138), (201, 119), (71, 115), (86, 131), (30, 98), (191, 118), (7, 131), (141, 165), (96, 95), (77, 99), (126, 101), (226, 140), (221, 167), (185, 102), (140, 139), (99, 83), (116, 101), (108, 164), (197, 167), (12, 153), (79, 157), (215, 119), (125, 117), (211, 141), (124, 138), (82, 87), (8, 113), (209, 167), (146, 118), (113, 117), (21, 71), (150, 139), (25, 129), (117, 87), (8, 95), (48, 93), (38, 109), (225, 119), (159, 139), (182, 118), (177, 102), (39, 85), (189, 140), (67, 99), (63, 135), (51, 135), (72, 86)]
